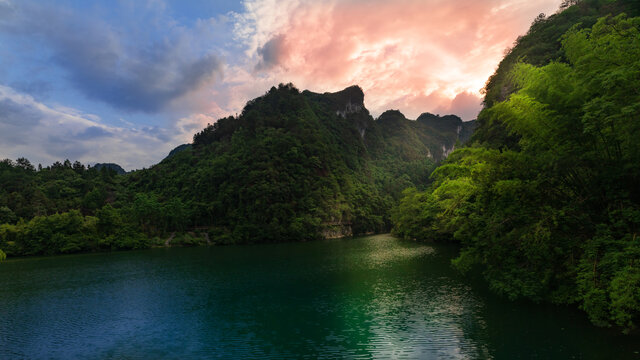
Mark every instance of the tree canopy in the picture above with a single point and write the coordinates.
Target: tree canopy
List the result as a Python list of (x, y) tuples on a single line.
[(554, 216)]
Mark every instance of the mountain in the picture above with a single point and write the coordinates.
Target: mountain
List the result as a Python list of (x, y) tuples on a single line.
[(178, 149), (115, 167), (293, 166), (301, 165), (449, 124), (430, 135)]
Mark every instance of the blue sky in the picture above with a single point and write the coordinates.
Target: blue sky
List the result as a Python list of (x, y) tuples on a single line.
[(126, 81)]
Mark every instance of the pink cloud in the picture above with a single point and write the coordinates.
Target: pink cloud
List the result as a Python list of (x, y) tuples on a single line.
[(465, 105), (415, 55)]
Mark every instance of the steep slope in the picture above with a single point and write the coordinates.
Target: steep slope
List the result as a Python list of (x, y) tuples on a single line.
[(292, 167), (545, 202), (540, 46), (297, 166), (430, 135), (178, 149)]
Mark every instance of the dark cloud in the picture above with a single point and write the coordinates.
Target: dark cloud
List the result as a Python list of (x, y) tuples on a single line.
[(93, 132), (19, 115), (158, 133), (15, 122), (38, 89), (191, 128), (106, 65), (271, 53), (62, 147)]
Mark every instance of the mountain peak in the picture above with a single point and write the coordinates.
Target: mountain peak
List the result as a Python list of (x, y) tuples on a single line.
[(352, 94), (431, 119), (110, 166), (392, 115), (344, 102)]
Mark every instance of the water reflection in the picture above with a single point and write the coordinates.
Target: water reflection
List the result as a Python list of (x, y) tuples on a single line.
[(373, 297)]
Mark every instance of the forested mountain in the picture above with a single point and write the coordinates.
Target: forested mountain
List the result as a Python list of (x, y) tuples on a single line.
[(293, 166), (298, 165), (545, 200), (115, 167)]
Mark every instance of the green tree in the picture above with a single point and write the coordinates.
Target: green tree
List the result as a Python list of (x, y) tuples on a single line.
[(553, 215)]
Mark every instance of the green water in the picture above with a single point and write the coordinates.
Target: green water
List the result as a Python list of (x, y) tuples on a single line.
[(373, 297)]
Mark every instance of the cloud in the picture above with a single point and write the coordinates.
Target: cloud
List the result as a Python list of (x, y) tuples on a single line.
[(6, 9), (270, 53), (422, 54), (465, 104), (44, 134), (14, 114), (37, 88), (93, 132), (128, 71)]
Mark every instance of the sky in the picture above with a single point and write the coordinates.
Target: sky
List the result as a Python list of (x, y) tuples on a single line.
[(127, 81)]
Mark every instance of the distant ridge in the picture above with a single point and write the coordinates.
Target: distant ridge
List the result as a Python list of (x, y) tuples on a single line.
[(177, 150), (112, 166)]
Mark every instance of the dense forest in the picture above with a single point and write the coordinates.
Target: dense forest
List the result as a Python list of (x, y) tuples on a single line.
[(545, 199), (293, 166)]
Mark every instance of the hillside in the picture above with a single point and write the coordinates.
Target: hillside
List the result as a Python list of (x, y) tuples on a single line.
[(299, 165), (293, 166), (111, 166), (545, 200), (541, 45)]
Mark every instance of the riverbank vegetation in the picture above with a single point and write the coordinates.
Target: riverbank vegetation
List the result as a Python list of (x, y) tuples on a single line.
[(546, 202)]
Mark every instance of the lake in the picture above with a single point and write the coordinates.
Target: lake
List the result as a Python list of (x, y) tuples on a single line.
[(370, 297)]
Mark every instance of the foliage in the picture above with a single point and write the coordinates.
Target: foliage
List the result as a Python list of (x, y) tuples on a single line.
[(292, 166), (541, 45), (554, 216), (64, 208)]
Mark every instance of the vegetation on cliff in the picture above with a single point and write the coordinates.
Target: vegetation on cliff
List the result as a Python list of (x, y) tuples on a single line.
[(545, 202)]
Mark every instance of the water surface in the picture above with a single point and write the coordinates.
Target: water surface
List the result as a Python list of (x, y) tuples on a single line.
[(372, 297)]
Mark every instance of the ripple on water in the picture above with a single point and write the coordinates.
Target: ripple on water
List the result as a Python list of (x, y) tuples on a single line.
[(373, 297)]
